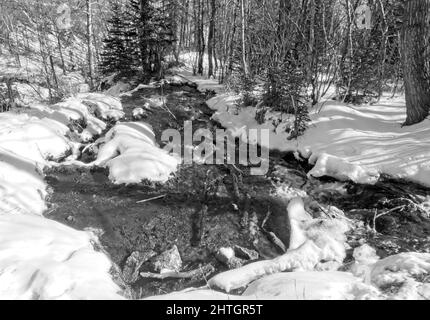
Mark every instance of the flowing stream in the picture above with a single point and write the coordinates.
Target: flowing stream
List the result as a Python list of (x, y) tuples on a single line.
[(85, 198)]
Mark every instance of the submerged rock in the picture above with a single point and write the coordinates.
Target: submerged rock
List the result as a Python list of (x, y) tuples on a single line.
[(227, 256), (246, 254), (134, 263), (169, 261)]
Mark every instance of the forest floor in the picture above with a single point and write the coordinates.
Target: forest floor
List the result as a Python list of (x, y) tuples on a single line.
[(85, 198)]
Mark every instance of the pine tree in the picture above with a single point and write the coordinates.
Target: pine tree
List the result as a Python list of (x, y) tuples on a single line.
[(118, 51), (153, 26)]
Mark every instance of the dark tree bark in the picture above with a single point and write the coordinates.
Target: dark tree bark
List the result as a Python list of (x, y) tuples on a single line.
[(89, 43), (211, 38), (201, 37), (244, 55), (413, 39)]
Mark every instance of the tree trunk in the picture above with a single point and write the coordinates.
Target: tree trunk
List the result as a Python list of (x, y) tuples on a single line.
[(413, 38), (211, 38), (201, 37), (54, 74), (89, 41), (60, 50), (244, 61), (231, 46)]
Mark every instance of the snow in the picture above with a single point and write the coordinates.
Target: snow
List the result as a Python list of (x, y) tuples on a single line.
[(73, 109), (118, 89), (130, 153), (298, 275), (289, 286), (310, 286), (105, 107), (357, 143), (40, 258), (186, 72), (314, 242), (403, 269)]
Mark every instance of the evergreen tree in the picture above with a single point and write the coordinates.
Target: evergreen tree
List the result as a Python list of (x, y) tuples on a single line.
[(154, 32), (118, 52)]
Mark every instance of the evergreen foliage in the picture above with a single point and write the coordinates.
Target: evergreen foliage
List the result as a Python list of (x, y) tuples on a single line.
[(139, 37), (118, 50)]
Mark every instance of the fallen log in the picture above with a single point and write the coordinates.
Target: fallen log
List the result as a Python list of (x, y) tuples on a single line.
[(197, 274)]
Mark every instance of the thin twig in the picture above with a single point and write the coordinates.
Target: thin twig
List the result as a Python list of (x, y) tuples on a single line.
[(152, 199), (200, 273)]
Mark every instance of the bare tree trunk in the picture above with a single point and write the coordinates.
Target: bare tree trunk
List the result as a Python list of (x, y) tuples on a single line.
[(54, 75), (231, 46), (60, 51), (211, 38), (413, 39), (89, 44), (201, 37), (42, 47), (244, 61), (311, 51)]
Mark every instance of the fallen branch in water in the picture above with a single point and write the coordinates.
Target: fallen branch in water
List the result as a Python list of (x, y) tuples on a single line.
[(380, 215), (198, 274), (152, 199)]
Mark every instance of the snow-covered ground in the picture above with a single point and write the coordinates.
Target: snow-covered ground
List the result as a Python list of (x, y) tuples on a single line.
[(40, 258), (358, 143)]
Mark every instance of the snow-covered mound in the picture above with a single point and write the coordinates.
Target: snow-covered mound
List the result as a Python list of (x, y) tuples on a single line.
[(42, 259), (357, 143), (39, 258), (309, 286), (104, 106), (131, 154)]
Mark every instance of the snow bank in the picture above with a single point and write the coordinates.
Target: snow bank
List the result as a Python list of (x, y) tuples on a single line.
[(104, 107), (39, 258), (117, 89), (310, 286), (357, 143), (289, 286), (130, 153)]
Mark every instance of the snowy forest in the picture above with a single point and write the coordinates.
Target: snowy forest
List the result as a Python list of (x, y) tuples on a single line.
[(231, 150)]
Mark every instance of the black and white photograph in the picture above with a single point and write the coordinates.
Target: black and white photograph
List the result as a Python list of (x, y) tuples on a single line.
[(193, 151)]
